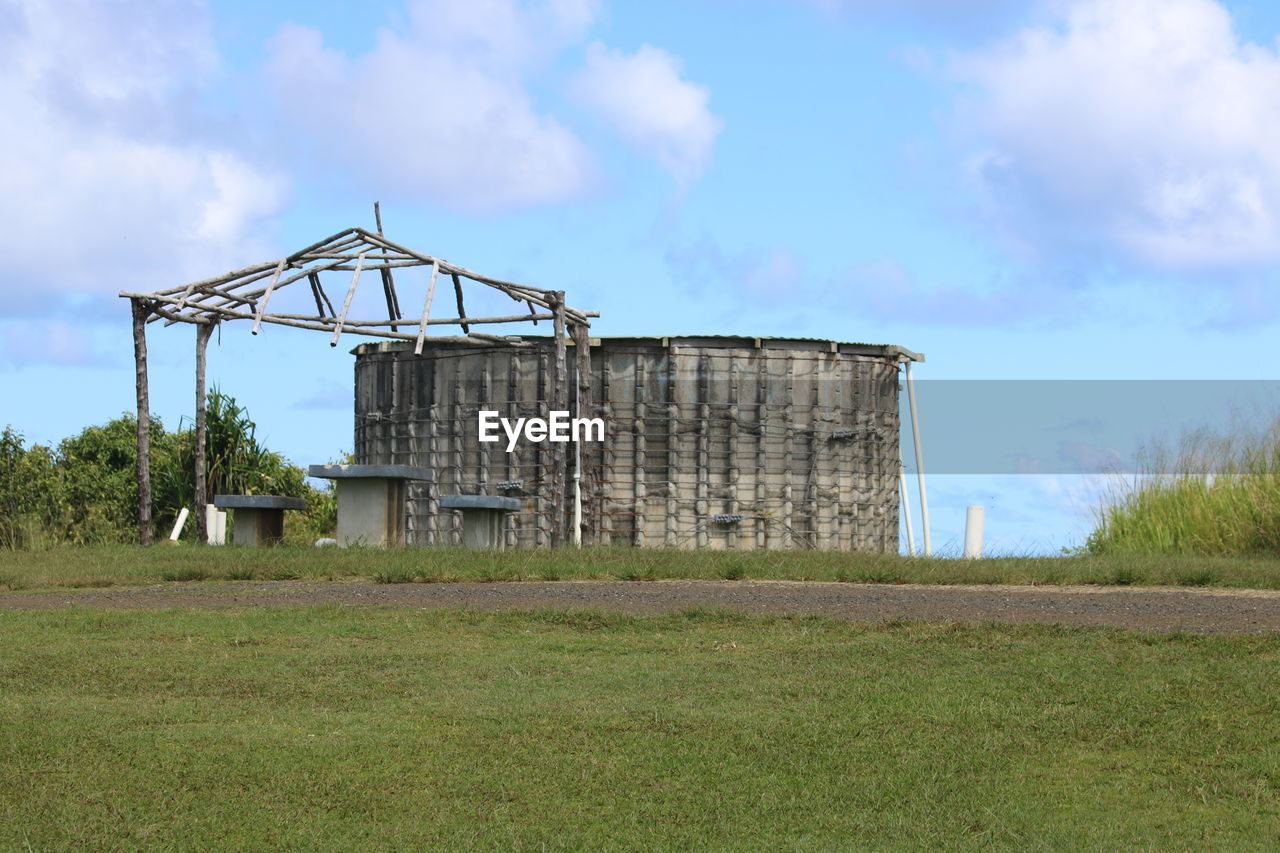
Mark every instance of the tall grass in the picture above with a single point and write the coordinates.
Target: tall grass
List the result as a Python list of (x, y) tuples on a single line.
[(1215, 495)]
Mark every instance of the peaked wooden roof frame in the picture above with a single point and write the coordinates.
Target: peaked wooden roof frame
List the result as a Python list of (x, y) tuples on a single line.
[(245, 294)]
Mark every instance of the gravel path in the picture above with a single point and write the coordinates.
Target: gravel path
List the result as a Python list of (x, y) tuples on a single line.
[(1152, 609)]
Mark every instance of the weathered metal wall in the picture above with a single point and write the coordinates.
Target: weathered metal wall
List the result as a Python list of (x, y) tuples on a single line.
[(710, 442)]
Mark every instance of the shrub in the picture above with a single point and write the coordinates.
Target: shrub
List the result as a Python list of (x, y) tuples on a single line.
[(1218, 495), (85, 492)]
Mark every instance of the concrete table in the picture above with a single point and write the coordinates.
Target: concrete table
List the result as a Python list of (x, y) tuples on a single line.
[(370, 501), (484, 518), (259, 518)]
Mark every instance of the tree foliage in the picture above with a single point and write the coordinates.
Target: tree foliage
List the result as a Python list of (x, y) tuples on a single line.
[(85, 490)]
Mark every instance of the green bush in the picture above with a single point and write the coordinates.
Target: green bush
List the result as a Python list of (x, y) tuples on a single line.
[(30, 496), (1222, 498), (85, 491)]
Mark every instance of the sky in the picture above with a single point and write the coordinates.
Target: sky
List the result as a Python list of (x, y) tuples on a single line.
[(1032, 190)]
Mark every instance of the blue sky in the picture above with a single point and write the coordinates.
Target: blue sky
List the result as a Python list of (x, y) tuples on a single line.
[(1067, 189)]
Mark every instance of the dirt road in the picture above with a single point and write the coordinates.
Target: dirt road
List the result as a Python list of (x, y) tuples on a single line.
[(1152, 609)]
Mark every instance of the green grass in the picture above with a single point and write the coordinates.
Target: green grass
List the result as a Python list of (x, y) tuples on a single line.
[(128, 565), (1215, 495), (338, 729)]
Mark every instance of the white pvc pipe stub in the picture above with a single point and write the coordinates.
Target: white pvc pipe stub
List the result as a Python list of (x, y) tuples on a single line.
[(215, 522), (974, 522), (177, 525)]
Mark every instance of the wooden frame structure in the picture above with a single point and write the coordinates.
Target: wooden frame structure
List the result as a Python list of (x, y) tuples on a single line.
[(245, 294)]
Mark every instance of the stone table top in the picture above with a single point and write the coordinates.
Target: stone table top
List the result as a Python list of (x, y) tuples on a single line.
[(258, 502), (383, 472)]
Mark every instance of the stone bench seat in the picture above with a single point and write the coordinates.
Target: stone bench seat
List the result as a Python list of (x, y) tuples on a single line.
[(484, 518), (259, 519), (371, 501)]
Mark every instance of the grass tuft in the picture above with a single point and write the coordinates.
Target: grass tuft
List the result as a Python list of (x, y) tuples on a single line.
[(395, 575), (185, 573), (1215, 495), (1197, 577), (1124, 576)]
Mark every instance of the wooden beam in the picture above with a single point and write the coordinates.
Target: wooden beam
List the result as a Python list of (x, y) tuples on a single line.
[(141, 310), (462, 312), (433, 321), (203, 333), (327, 325), (318, 293), (497, 339), (346, 303), (346, 255), (426, 309), (264, 267), (559, 394), (388, 284), (584, 409), (262, 305), (325, 242)]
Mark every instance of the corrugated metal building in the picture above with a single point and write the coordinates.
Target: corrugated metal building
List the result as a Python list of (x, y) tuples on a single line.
[(715, 442)]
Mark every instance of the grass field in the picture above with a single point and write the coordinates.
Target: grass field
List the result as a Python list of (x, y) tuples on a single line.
[(127, 565), (333, 729)]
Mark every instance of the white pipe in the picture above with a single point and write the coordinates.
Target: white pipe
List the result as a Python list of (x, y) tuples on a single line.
[(210, 524), (906, 510), (577, 468), (973, 523), (220, 537), (915, 437), (177, 525)]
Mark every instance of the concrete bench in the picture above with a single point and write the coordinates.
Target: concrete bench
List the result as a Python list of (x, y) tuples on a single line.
[(259, 518), (371, 508), (483, 518)]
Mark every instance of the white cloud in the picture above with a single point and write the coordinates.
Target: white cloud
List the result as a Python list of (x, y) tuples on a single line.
[(1136, 130), (441, 111), (104, 189), (643, 95)]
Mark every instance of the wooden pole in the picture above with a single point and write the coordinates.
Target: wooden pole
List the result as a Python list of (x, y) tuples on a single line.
[(266, 297), (462, 312), (346, 303), (426, 310), (584, 532), (559, 394), (388, 283), (318, 292), (142, 310), (203, 332)]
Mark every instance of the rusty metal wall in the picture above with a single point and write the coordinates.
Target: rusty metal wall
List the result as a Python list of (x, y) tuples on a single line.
[(710, 442)]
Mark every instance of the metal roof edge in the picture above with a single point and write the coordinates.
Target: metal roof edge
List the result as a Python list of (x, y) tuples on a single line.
[(901, 353)]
